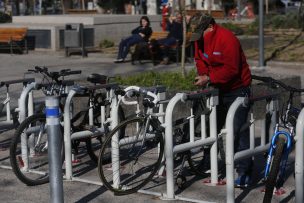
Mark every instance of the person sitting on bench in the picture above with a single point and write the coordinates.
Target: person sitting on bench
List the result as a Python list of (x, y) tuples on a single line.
[(139, 34), (175, 28)]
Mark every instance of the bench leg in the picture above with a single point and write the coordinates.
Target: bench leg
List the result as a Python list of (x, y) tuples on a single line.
[(25, 46), (177, 55), (11, 47)]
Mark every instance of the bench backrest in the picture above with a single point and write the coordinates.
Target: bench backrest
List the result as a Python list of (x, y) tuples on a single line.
[(158, 35), (12, 34), (163, 34)]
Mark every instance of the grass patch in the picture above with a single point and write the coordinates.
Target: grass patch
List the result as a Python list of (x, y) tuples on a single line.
[(172, 80)]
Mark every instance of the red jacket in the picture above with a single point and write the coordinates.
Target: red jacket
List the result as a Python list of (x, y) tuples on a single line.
[(223, 59)]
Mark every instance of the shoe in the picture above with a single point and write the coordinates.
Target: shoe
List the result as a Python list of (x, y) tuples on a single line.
[(119, 60), (165, 61), (242, 181)]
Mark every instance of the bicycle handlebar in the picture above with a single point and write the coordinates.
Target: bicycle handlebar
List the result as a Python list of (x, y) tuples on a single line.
[(56, 74), (272, 81), (135, 89)]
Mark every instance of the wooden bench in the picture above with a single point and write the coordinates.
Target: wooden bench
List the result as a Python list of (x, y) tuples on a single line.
[(14, 37), (173, 50)]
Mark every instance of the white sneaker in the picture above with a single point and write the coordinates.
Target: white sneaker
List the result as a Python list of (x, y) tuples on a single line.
[(118, 60)]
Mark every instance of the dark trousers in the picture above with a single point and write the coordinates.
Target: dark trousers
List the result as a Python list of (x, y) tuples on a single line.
[(166, 43), (125, 45), (241, 138)]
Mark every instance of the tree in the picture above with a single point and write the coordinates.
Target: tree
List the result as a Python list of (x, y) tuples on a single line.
[(182, 10)]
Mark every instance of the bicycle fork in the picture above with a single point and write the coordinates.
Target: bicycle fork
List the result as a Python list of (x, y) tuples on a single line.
[(287, 148)]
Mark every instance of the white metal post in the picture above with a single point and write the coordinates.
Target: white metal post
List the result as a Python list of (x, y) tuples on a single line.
[(230, 148), (115, 140), (213, 134), (299, 160), (8, 107), (169, 145), (67, 136)]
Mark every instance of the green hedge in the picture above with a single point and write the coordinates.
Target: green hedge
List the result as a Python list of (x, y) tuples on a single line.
[(172, 80)]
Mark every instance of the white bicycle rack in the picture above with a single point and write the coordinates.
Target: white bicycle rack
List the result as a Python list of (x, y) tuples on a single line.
[(299, 159), (160, 97), (68, 137), (170, 150), (231, 156), (7, 102), (26, 111)]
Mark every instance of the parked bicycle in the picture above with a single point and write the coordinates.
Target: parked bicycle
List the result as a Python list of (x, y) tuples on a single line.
[(137, 157), (28, 150), (282, 140)]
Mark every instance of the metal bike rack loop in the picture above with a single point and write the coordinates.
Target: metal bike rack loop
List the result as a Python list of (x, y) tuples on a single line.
[(231, 156), (299, 160), (68, 137), (170, 150)]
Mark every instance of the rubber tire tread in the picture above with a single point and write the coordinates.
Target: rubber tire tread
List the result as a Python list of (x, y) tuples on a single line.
[(13, 160), (109, 138), (90, 151), (275, 167)]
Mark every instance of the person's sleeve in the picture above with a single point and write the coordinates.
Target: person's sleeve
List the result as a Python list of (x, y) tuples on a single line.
[(148, 32), (135, 31), (226, 64), (201, 65)]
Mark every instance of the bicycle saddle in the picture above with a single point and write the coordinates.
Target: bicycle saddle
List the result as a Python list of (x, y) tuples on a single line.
[(97, 78)]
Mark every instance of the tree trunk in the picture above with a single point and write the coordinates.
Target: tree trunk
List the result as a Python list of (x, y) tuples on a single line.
[(183, 55)]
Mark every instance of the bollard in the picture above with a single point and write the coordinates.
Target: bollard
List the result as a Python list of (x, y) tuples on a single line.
[(54, 149)]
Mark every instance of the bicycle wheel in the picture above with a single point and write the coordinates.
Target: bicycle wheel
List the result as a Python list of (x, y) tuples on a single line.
[(198, 163), (274, 170), (29, 151), (133, 163), (93, 145)]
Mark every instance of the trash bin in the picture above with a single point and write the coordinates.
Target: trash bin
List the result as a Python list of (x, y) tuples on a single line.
[(74, 38)]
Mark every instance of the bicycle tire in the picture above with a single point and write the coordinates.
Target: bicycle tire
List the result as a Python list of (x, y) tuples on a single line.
[(274, 170), (136, 178), (93, 146), (37, 172)]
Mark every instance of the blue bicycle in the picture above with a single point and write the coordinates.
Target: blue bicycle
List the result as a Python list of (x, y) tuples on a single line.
[(282, 140)]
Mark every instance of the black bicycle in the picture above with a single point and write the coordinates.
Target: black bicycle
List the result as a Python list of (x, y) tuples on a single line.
[(28, 150), (282, 140), (32, 166), (137, 157)]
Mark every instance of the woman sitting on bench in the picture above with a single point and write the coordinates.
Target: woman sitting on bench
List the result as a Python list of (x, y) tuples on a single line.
[(139, 34)]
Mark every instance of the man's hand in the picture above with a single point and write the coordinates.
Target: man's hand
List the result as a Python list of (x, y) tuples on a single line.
[(201, 80), (142, 35)]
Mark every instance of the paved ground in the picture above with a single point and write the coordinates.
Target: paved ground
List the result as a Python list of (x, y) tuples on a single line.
[(12, 190)]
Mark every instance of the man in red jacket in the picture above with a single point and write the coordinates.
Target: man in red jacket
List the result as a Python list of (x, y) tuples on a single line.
[(220, 61)]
